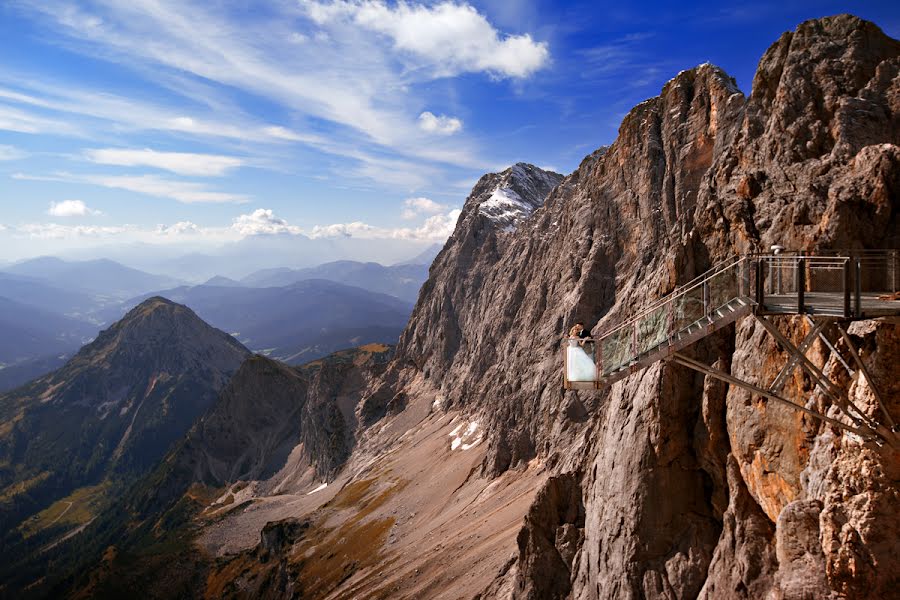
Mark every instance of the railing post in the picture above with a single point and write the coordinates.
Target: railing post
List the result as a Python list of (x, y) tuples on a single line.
[(634, 341), (801, 284), (760, 284), (706, 297), (894, 264), (846, 283), (858, 288), (670, 319), (598, 356), (745, 278)]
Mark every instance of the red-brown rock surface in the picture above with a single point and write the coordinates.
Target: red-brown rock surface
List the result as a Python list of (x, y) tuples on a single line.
[(687, 488)]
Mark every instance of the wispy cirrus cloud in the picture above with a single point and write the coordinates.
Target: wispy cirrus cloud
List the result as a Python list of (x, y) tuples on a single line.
[(12, 153), (359, 75), (188, 192), (182, 163)]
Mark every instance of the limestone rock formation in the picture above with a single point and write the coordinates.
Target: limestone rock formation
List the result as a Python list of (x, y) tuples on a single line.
[(688, 488)]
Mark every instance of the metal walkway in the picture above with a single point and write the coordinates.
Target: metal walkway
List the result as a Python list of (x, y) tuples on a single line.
[(829, 289)]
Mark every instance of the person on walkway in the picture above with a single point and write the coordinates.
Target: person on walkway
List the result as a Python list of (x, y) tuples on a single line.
[(578, 331), (580, 361)]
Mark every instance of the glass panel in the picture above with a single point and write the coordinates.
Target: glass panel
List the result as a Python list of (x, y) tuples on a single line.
[(652, 329), (616, 350), (688, 308), (723, 288)]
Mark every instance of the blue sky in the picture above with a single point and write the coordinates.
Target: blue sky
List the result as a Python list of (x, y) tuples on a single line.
[(195, 123)]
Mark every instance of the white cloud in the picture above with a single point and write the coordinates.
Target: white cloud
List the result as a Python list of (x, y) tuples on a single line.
[(183, 163), (70, 208), (263, 221), (441, 124), (452, 38), (183, 191), (179, 229), (413, 207), (11, 153), (354, 229), (54, 231), (436, 228)]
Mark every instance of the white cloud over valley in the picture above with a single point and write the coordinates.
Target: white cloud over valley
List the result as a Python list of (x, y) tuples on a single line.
[(441, 124), (71, 208), (263, 221)]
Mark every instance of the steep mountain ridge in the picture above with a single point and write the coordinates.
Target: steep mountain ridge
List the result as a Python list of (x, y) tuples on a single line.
[(682, 486), (678, 483), (509, 197), (113, 410)]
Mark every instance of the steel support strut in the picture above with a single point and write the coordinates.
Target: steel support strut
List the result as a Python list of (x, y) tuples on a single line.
[(865, 373), (865, 434), (825, 384)]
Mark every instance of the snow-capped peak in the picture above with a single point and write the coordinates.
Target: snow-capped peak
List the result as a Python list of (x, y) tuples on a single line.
[(520, 190)]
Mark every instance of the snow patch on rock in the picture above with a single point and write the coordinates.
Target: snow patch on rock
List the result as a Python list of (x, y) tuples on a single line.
[(467, 439), (318, 489)]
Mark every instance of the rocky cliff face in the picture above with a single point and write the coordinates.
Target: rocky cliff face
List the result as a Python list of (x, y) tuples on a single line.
[(688, 488)]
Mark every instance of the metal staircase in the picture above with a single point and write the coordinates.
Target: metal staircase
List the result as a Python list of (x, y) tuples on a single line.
[(829, 288), (713, 300)]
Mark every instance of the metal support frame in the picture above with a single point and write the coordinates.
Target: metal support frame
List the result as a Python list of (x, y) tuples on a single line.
[(865, 433), (865, 373), (825, 384), (830, 346), (792, 361)]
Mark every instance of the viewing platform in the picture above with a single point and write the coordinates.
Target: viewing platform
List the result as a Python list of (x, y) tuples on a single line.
[(829, 288)]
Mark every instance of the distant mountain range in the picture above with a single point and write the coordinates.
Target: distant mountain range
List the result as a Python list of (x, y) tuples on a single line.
[(50, 306), (102, 277), (401, 281), (26, 332), (298, 322)]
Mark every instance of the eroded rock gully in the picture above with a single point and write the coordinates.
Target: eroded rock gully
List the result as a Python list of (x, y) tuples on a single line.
[(668, 485)]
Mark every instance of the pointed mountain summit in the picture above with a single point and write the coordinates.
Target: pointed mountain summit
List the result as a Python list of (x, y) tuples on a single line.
[(508, 197), (114, 409)]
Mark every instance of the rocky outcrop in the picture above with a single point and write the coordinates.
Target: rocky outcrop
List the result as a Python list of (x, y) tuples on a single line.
[(688, 487), (270, 425)]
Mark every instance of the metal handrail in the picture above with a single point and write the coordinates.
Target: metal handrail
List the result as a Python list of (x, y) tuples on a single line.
[(677, 293)]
